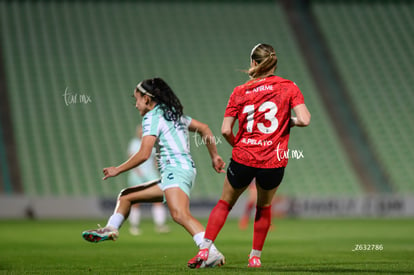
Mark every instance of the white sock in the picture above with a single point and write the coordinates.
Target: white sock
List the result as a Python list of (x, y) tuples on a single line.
[(116, 220), (159, 214), (198, 239), (257, 253), (134, 217), (203, 243)]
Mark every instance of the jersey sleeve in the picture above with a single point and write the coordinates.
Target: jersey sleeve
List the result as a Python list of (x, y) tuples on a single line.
[(186, 120), (296, 96), (232, 109), (150, 123)]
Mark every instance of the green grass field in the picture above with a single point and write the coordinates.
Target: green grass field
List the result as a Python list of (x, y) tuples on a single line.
[(293, 247)]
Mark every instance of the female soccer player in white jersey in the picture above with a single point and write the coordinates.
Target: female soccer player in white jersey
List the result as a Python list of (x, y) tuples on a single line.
[(144, 173), (163, 123), (263, 108)]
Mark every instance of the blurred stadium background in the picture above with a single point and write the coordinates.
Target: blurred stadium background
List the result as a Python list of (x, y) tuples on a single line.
[(352, 60)]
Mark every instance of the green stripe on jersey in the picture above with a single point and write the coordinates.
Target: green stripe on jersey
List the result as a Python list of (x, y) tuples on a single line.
[(173, 138)]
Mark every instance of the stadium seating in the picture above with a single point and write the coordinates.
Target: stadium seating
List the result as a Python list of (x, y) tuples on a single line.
[(99, 50), (371, 44)]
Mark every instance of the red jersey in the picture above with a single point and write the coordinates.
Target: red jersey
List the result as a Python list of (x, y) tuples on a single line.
[(263, 108)]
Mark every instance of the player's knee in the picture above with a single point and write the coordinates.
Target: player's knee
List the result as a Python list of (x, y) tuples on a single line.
[(179, 216), (122, 196), (122, 193)]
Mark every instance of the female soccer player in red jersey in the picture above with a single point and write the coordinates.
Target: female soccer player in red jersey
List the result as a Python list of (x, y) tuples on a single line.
[(263, 108)]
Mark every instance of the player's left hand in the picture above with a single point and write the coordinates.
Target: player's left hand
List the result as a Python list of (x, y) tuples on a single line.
[(110, 172), (219, 164)]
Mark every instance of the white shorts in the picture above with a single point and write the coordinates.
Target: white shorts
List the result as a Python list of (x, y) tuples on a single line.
[(178, 177)]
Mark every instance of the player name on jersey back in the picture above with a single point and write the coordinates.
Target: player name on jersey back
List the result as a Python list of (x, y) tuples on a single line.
[(261, 88), (253, 141)]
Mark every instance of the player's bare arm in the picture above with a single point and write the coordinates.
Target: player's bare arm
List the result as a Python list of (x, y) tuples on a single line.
[(227, 129), (204, 131), (302, 118), (142, 155)]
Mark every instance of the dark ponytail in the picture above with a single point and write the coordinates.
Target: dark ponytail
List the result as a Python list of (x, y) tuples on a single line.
[(160, 92)]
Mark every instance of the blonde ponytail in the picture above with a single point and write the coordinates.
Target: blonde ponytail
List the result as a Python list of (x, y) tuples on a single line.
[(266, 58)]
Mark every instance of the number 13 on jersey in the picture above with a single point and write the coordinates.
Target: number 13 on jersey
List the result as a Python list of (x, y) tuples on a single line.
[(270, 109)]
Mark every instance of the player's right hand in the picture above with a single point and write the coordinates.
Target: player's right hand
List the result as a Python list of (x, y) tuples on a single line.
[(110, 172), (219, 164)]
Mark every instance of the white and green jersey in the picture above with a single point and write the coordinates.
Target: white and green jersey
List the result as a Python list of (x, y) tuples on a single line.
[(173, 146)]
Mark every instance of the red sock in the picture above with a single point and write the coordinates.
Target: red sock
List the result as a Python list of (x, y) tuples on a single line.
[(217, 219), (262, 223)]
